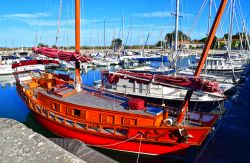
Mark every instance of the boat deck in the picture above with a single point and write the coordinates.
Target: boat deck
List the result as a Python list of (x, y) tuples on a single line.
[(92, 98)]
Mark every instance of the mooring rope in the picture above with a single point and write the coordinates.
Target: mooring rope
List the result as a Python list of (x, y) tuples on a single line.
[(138, 156), (113, 144)]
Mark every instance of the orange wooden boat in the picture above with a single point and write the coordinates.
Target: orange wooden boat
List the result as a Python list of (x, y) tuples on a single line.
[(106, 120), (102, 119)]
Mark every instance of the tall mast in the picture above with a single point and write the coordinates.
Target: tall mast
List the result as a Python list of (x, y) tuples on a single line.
[(208, 25), (209, 16), (230, 39), (104, 33), (176, 26), (122, 29), (94, 37), (202, 59), (67, 27), (176, 34), (77, 45)]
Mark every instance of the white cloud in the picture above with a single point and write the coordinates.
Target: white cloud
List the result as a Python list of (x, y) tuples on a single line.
[(21, 16), (39, 19), (159, 14)]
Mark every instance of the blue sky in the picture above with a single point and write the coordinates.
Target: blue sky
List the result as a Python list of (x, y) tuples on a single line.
[(28, 22)]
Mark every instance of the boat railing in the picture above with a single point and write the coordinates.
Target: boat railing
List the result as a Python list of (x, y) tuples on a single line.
[(155, 92), (79, 123), (159, 134)]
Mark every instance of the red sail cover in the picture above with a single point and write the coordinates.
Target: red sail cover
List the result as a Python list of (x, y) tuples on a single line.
[(62, 55), (33, 62), (182, 81)]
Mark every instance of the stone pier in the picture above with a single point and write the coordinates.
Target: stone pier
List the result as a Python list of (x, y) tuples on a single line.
[(21, 144)]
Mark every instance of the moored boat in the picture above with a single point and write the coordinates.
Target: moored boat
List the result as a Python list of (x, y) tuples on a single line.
[(167, 90), (8, 60)]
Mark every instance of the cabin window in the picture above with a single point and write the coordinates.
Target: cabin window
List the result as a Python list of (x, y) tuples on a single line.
[(220, 63), (129, 122), (148, 88), (125, 88), (55, 107), (209, 63), (134, 85), (140, 87), (76, 112), (107, 118), (215, 63)]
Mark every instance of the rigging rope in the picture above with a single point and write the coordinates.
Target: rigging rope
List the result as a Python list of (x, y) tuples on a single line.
[(58, 22), (234, 77), (138, 155), (241, 37), (117, 143), (197, 17), (243, 23), (221, 29)]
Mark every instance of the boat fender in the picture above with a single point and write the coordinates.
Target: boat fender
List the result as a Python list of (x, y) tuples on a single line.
[(168, 122)]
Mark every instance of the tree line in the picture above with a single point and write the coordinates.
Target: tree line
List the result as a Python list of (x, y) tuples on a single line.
[(168, 42)]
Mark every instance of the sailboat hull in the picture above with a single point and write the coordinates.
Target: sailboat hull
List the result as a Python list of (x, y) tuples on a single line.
[(199, 105), (111, 131), (98, 141)]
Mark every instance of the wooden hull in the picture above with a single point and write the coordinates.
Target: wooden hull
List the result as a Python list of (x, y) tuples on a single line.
[(98, 141)]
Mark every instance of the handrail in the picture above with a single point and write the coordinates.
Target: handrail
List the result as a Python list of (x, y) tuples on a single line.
[(160, 94), (75, 120)]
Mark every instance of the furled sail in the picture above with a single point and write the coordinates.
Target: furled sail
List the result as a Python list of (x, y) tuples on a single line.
[(182, 81), (60, 54)]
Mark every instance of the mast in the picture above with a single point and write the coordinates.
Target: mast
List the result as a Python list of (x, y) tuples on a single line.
[(104, 32), (209, 16), (176, 26), (58, 23), (208, 26), (122, 29), (230, 39), (77, 46), (176, 33), (94, 37), (202, 59), (67, 27)]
